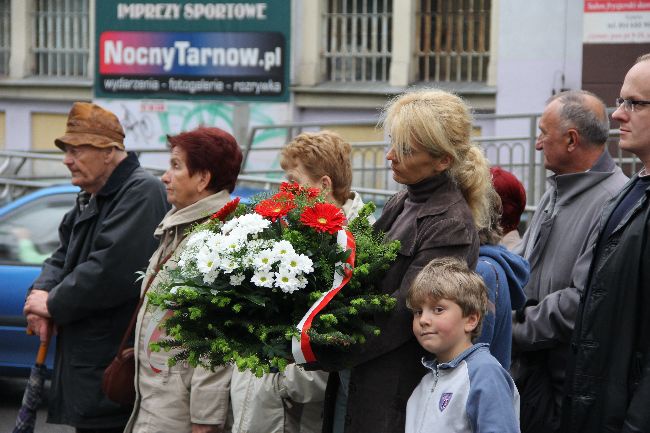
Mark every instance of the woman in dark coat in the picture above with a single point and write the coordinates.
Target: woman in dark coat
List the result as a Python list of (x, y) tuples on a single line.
[(437, 215)]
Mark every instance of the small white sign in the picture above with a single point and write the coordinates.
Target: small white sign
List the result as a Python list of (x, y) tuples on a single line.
[(616, 22)]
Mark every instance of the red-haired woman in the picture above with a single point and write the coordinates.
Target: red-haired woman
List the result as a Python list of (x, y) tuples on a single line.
[(203, 170)]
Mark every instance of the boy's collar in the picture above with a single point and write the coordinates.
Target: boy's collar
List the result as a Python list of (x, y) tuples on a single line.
[(432, 364)]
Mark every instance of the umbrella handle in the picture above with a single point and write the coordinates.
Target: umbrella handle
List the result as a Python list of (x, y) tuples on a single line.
[(42, 349), (42, 352)]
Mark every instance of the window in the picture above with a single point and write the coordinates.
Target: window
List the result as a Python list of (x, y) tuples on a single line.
[(357, 40), (61, 38), (5, 36), (453, 40), (29, 234)]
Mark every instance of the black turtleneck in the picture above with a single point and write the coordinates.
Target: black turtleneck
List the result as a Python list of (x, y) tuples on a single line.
[(417, 194)]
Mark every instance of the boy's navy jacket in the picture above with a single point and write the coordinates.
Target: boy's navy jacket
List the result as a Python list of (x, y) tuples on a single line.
[(471, 393), (505, 274)]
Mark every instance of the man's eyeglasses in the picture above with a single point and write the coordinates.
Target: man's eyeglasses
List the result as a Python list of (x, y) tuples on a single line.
[(630, 104)]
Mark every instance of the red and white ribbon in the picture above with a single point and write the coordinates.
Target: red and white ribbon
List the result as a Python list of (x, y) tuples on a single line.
[(302, 351)]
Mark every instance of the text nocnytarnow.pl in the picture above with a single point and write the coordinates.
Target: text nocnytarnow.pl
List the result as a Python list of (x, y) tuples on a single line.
[(191, 11), (183, 54)]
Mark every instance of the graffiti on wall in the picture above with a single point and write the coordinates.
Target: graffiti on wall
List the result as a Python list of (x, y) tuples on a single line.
[(148, 123)]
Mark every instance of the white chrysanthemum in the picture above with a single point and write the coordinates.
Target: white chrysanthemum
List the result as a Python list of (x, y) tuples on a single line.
[(297, 263), (211, 276), (263, 279), (264, 260), (173, 290), (187, 257), (246, 261), (283, 248), (228, 265), (259, 244), (198, 238), (214, 292), (255, 245), (302, 281), (253, 223), (238, 233), (286, 281), (207, 259), (232, 243), (237, 279), (227, 227)]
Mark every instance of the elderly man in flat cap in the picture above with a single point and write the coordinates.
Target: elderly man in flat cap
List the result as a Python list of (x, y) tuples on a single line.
[(87, 289)]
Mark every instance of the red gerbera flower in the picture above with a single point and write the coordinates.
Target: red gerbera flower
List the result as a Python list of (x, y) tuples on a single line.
[(283, 196), (313, 192), (292, 187), (323, 217), (274, 209), (228, 208)]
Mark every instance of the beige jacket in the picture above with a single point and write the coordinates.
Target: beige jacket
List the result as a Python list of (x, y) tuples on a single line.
[(510, 240), (170, 399), (287, 402)]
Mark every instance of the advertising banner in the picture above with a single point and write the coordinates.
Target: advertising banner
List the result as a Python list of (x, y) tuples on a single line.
[(616, 21), (189, 50), (147, 123)]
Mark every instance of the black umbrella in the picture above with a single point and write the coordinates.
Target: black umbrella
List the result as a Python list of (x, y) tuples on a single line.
[(33, 393)]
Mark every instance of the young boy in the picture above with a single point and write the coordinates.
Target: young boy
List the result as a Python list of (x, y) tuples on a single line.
[(467, 390)]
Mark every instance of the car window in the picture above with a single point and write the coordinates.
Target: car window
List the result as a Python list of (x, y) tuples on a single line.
[(29, 234)]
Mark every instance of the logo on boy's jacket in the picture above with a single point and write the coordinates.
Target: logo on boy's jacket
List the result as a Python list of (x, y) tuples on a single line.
[(444, 400)]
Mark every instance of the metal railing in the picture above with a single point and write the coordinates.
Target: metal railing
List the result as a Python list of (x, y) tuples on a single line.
[(372, 177), (371, 171)]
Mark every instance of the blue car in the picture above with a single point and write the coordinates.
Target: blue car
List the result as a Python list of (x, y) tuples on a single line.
[(28, 235)]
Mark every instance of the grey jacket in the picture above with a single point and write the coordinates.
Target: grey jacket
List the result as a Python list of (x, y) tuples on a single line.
[(557, 245), (91, 278)]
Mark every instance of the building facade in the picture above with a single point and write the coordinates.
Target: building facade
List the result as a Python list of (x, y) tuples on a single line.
[(348, 57)]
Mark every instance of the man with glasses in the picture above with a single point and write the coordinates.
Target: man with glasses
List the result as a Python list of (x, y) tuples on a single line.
[(87, 289), (573, 131), (608, 376)]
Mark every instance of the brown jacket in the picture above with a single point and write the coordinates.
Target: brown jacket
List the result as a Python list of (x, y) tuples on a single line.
[(388, 368)]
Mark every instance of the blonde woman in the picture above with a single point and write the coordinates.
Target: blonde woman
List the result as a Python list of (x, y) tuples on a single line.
[(436, 215)]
